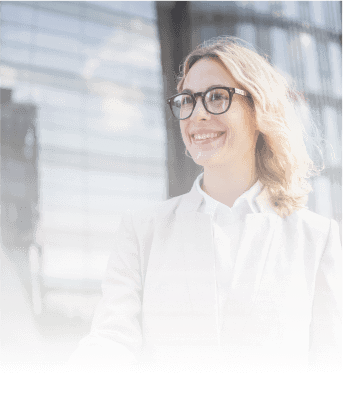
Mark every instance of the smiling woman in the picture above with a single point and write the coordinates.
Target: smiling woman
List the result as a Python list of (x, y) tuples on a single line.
[(230, 154), (236, 274), (264, 136)]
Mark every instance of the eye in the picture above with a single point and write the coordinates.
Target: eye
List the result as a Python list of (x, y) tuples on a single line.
[(216, 96), (186, 100)]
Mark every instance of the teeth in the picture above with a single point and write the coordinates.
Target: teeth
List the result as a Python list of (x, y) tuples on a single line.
[(206, 136)]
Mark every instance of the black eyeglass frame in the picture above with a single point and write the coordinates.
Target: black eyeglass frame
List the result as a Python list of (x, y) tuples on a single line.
[(194, 96)]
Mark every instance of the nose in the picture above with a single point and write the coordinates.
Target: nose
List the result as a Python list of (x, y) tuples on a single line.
[(199, 112)]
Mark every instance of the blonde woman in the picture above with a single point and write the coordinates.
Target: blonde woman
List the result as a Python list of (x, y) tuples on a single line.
[(237, 273)]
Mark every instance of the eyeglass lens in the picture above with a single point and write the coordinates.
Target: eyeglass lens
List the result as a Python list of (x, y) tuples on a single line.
[(217, 101)]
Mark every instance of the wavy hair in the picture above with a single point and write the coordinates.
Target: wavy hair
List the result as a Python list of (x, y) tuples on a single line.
[(282, 161)]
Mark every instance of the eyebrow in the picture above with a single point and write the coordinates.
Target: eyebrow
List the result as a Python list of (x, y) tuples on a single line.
[(210, 87)]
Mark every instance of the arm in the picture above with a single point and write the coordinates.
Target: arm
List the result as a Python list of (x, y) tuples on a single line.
[(326, 324), (116, 335)]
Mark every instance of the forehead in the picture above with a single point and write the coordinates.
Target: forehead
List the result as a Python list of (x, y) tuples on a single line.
[(205, 73)]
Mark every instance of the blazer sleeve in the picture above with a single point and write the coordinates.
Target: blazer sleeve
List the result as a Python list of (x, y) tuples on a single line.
[(116, 335), (326, 324)]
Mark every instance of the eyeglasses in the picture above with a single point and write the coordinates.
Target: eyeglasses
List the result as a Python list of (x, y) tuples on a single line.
[(215, 100)]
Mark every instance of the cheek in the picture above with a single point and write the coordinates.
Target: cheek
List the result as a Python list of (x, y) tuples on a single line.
[(183, 128), (242, 128), (227, 121)]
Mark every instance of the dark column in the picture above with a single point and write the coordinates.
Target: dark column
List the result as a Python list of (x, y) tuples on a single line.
[(174, 27), (19, 182)]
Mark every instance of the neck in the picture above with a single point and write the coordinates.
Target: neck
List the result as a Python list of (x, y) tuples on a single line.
[(226, 184)]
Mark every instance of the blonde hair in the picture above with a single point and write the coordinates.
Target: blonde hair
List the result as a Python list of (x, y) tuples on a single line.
[(282, 162)]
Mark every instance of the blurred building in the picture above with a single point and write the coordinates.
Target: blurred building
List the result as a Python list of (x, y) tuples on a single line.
[(92, 71)]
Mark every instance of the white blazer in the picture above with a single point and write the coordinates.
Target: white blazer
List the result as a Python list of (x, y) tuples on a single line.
[(159, 292)]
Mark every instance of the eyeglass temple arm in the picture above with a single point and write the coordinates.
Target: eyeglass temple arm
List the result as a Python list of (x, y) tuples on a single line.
[(242, 92)]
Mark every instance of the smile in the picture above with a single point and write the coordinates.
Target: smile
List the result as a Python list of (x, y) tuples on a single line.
[(206, 137)]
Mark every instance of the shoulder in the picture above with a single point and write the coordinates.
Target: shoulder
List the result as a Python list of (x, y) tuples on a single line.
[(158, 209), (311, 224), (314, 220), (308, 234)]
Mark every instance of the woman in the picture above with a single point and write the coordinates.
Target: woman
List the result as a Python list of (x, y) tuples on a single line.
[(236, 273)]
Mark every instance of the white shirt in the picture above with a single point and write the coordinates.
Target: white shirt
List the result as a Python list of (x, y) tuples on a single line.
[(227, 229)]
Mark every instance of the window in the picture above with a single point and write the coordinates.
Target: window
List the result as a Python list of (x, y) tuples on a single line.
[(57, 61), (21, 93), (247, 5), (15, 33), (262, 7), (334, 16), (333, 146), (15, 53), (207, 32), (209, 7), (66, 218), (311, 63), (291, 9), (95, 266), (68, 118), (57, 21), (116, 74), (58, 42), (45, 95), (64, 138), (145, 9), (62, 176), (280, 49), (63, 262), (99, 31), (103, 145), (247, 32), (17, 13), (295, 60), (337, 200), (322, 190), (304, 11), (141, 8), (325, 69), (100, 181), (335, 57), (318, 13), (111, 5)]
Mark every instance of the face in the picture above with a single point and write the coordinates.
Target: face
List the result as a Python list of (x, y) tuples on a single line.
[(236, 128)]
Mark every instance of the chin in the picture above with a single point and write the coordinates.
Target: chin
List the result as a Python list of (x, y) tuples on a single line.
[(207, 160)]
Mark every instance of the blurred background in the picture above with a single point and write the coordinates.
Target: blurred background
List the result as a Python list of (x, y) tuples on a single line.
[(86, 135)]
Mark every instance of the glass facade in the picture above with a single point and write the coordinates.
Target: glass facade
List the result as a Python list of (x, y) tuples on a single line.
[(93, 71)]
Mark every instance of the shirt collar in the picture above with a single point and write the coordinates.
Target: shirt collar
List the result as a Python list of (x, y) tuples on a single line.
[(248, 196)]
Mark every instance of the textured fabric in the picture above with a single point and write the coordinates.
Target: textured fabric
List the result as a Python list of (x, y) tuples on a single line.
[(160, 298)]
